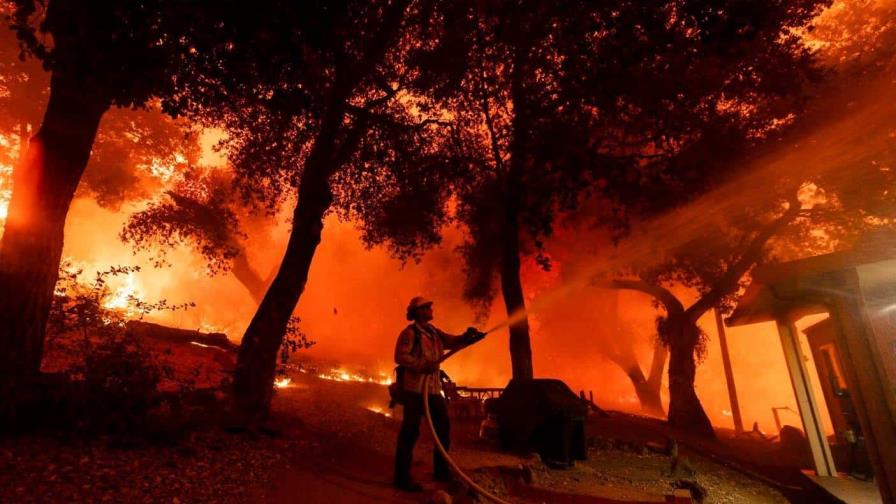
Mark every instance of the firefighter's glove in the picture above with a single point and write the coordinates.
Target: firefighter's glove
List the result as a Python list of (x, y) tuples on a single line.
[(472, 335)]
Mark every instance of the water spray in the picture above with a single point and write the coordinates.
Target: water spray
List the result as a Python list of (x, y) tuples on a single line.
[(484, 334)]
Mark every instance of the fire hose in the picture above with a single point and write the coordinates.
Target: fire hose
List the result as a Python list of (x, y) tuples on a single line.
[(439, 446)]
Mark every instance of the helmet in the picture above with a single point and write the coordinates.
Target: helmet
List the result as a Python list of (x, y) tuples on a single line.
[(416, 302)]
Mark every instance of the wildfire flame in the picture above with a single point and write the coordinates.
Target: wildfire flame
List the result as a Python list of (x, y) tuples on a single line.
[(5, 190), (379, 411), (342, 375), (119, 300)]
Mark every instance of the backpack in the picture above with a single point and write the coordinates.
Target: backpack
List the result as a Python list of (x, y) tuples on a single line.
[(396, 388)]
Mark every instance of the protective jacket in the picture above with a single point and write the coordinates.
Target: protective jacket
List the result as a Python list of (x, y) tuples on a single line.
[(419, 345)]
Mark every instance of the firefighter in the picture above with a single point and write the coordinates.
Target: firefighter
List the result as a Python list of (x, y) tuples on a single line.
[(417, 352)]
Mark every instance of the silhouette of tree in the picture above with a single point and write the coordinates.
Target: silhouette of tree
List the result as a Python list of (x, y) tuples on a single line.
[(327, 120), (556, 102), (202, 210), (99, 54)]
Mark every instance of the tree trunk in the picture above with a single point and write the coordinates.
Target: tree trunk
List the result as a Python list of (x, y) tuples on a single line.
[(648, 396), (654, 382), (257, 358), (256, 364), (621, 351), (43, 187), (648, 388), (511, 285), (685, 410), (514, 302), (247, 276)]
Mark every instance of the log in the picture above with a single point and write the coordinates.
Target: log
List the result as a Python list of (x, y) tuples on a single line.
[(140, 329)]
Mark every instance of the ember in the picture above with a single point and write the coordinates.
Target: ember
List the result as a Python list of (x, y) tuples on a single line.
[(282, 382)]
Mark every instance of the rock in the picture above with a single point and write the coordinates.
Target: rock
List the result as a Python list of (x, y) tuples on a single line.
[(682, 465), (793, 445), (696, 490)]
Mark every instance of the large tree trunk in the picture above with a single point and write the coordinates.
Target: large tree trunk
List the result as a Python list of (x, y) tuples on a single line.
[(514, 302), (620, 350), (247, 276), (647, 388), (685, 410), (654, 383), (43, 187), (257, 359)]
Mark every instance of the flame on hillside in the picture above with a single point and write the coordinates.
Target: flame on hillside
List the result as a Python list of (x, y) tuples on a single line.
[(5, 191), (379, 411), (119, 298), (340, 374)]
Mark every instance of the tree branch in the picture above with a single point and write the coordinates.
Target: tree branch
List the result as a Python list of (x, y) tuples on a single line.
[(728, 283), (661, 294), (366, 114)]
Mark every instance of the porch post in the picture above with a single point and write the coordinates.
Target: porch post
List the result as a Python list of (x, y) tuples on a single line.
[(805, 398)]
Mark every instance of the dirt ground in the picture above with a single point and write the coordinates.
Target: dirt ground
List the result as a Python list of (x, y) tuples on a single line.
[(330, 445), (362, 443)]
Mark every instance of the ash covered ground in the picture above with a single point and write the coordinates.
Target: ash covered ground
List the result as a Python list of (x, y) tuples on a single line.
[(332, 441)]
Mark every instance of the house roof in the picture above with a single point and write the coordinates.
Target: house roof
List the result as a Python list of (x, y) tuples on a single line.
[(794, 287)]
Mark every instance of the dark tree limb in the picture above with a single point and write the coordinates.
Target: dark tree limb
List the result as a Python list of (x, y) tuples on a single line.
[(729, 282), (661, 294)]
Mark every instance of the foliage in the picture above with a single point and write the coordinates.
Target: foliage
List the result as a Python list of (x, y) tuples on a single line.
[(385, 152), (806, 210), (294, 340), (133, 150), (135, 154), (84, 307), (201, 209), (553, 103), (120, 374), (124, 53)]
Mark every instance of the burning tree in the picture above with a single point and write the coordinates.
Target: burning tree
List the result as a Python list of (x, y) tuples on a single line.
[(715, 269), (100, 55)]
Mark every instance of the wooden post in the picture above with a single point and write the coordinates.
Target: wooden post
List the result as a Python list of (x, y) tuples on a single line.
[(805, 399), (729, 374)]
